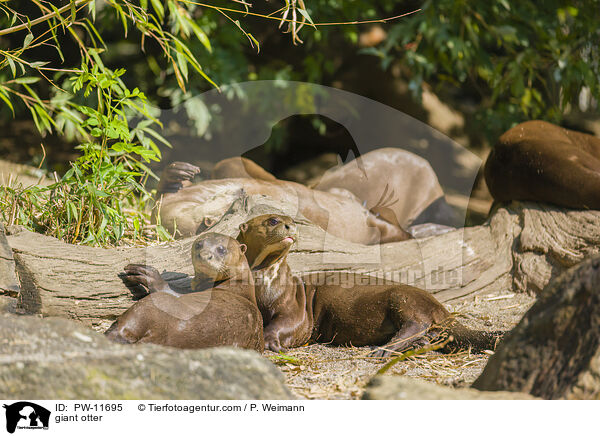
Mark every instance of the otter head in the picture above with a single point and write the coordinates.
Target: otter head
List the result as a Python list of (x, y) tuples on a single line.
[(268, 238), (216, 258)]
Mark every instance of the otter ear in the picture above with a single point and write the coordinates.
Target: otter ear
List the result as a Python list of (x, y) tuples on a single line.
[(243, 248), (243, 227), (208, 221)]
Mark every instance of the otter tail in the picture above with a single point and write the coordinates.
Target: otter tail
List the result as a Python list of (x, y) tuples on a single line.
[(478, 340)]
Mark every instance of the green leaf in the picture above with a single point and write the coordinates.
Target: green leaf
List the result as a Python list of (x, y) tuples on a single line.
[(35, 119), (91, 122), (68, 174), (158, 7), (305, 15), (505, 4), (255, 42), (157, 136), (6, 98), (72, 211), (27, 80), (28, 40), (201, 35), (73, 11), (182, 62), (11, 64)]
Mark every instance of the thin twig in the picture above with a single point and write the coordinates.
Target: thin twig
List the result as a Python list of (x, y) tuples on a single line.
[(380, 20), (40, 19)]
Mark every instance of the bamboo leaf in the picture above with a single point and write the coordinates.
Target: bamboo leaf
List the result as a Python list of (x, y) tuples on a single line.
[(6, 98), (27, 80), (11, 64), (28, 40)]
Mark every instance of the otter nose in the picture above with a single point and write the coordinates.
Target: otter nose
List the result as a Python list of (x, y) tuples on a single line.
[(287, 226)]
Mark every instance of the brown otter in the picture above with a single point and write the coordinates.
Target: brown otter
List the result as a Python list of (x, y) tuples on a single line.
[(225, 313), (295, 310), (539, 161), (187, 207), (238, 168), (396, 184)]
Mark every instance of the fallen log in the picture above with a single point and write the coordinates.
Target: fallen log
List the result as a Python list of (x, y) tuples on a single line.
[(8, 279), (521, 247)]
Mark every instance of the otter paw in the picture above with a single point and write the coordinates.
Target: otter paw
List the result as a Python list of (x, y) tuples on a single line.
[(180, 171), (273, 344), (174, 175), (142, 279)]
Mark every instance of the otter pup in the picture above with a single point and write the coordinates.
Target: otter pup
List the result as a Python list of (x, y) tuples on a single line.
[(296, 311), (225, 313), (186, 207), (539, 161)]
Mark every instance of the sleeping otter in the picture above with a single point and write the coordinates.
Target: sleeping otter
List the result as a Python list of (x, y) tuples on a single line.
[(539, 161)]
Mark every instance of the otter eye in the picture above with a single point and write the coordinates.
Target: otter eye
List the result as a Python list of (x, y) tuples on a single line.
[(220, 250), (273, 221)]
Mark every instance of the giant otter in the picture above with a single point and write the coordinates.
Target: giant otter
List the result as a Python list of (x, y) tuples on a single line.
[(225, 313), (239, 168), (186, 207), (396, 184), (295, 310), (539, 161)]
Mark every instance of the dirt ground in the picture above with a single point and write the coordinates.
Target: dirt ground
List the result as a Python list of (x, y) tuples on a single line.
[(340, 373)]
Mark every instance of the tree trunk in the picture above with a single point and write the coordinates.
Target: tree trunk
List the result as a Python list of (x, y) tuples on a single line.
[(520, 248)]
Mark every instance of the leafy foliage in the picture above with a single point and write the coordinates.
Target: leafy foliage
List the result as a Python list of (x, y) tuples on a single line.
[(514, 60), (102, 198), (92, 202)]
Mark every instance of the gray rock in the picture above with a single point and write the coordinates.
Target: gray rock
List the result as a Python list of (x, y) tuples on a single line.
[(405, 388), (60, 359), (554, 352)]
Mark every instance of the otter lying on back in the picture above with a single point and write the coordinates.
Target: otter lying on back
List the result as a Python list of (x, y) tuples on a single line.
[(186, 207), (295, 311), (224, 313)]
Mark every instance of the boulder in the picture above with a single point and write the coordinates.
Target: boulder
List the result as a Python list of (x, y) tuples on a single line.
[(554, 352), (61, 359)]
